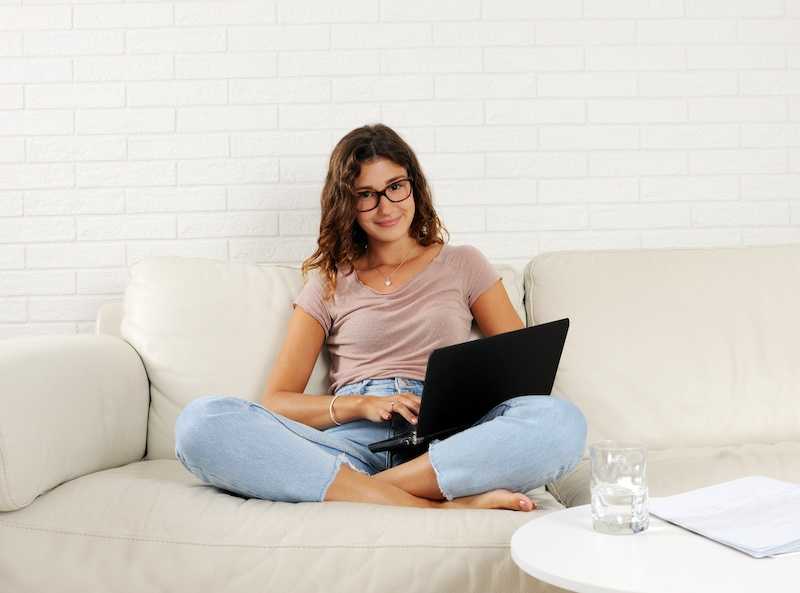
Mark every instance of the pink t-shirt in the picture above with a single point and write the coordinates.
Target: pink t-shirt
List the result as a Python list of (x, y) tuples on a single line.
[(374, 335)]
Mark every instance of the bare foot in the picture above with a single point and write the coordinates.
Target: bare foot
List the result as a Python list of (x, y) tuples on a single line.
[(494, 499)]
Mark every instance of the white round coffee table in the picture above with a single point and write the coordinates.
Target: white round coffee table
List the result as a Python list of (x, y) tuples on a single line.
[(562, 549)]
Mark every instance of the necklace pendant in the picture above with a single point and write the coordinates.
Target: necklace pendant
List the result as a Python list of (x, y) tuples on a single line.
[(387, 282)]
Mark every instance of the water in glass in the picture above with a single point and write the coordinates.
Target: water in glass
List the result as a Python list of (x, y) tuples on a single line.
[(619, 488)]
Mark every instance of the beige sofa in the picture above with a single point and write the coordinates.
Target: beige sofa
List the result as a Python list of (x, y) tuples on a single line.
[(693, 351)]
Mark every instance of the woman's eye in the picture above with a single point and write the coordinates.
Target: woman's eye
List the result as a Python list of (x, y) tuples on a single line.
[(395, 185), (365, 194)]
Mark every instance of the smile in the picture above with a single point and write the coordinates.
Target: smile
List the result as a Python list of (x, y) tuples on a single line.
[(390, 223)]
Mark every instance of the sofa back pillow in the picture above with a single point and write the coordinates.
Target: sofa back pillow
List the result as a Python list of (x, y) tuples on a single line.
[(676, 347), (212, 327)]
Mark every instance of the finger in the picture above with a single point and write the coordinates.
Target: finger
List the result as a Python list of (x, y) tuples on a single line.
[(411, 405), (406, 413), (386, 413), (412, 401), (400, 407)]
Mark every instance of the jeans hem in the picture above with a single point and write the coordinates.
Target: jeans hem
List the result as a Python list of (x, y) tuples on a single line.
[(437, 472), (340, 458)]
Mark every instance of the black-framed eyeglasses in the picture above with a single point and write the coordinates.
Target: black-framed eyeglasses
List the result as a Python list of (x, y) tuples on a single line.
[(396, 191)]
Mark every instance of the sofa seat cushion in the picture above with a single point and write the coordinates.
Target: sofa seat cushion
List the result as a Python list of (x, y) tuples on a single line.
[(673, 471), (153, 526)]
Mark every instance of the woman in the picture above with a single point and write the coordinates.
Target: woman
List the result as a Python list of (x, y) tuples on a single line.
[(387, 290)]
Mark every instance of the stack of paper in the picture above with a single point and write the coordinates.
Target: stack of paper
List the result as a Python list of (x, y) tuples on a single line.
[(756, 515)]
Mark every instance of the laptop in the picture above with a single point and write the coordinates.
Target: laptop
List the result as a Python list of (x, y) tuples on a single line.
[(464, 381)]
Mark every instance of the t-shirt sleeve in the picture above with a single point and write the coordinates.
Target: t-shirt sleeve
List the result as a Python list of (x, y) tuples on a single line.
[(480, 274), (310, 298)]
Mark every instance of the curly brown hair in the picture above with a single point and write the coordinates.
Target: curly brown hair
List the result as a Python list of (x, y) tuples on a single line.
[(341, 239)]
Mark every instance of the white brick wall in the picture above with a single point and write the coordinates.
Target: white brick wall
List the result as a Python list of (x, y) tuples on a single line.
[(129, 129)]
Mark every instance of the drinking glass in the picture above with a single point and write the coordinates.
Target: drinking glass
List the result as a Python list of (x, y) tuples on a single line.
[(619, 487)]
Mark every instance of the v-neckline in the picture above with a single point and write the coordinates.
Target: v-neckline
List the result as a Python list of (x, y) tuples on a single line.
[(409, 281)]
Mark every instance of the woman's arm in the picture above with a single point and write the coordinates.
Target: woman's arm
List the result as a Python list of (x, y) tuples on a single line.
[(289, 376), (494, 312)]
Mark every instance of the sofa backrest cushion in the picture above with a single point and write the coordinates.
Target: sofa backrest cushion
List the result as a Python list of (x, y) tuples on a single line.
[(676, 347), (212, 327)]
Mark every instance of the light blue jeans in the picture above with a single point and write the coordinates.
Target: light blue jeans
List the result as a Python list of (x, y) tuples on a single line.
[(243, 448)]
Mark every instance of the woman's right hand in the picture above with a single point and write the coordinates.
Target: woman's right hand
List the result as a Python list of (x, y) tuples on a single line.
[(379, 408)]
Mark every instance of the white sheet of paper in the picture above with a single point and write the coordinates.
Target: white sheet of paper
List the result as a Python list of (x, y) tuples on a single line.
[(754, 513)]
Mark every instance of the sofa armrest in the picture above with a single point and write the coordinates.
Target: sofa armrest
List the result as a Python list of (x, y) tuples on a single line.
[(69, 406)]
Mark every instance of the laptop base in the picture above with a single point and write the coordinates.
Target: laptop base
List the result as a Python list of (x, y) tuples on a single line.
[(410, 439)]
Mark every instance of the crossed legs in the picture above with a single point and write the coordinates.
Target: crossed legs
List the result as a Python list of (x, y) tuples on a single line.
[(410, 484), (352, 485), (528, 441), (415, 476), (414, 483), (400, 484)]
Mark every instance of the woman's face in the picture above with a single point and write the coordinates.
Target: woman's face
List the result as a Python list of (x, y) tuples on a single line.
[(375, 175)]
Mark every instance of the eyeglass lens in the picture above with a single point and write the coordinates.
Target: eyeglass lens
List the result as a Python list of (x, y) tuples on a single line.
[(395, 192)]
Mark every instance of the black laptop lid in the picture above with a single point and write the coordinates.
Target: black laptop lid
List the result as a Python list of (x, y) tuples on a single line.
[(464, 381)]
